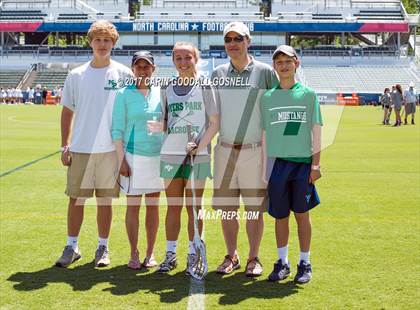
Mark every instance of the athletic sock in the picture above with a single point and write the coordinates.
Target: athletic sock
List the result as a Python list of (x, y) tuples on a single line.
[(102, 241), (305, 256), (191, 249), (171, 246), (282, 252), (72, 241)]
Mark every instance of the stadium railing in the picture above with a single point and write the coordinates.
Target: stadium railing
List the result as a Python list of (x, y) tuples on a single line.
[(26, 75), (211, 16), (17, 4), (225, 4), (375, 3), (214, 51)]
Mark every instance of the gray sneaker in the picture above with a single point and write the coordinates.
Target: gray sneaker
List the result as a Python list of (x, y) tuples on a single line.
[(68, 257), (102, 257), (191, 258), (168, 264)]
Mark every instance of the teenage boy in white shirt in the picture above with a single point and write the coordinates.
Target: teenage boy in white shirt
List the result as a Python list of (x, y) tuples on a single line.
[(87, 100)]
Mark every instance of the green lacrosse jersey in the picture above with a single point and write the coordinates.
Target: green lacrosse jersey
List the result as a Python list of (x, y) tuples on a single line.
[(288, 118)]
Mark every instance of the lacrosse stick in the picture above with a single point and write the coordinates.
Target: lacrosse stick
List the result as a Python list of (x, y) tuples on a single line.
[(199, 268)]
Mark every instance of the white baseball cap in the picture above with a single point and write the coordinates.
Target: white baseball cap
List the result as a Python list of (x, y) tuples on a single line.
[(285, 49), (411, 84), (238, 27)]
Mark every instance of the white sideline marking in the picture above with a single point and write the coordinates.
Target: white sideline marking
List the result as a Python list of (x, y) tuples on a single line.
[(13, 119), (197, 291), (196, 294)]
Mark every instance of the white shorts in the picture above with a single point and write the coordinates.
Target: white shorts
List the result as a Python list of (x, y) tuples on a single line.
[(145, 175)]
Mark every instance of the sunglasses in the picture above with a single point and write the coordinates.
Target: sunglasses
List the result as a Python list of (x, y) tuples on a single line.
[(237, 39)]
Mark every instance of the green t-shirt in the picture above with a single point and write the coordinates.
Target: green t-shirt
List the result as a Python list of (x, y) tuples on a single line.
[(288, 118)]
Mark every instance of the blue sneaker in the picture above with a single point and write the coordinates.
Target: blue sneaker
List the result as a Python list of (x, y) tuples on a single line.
[(280, 272), (304, 273)]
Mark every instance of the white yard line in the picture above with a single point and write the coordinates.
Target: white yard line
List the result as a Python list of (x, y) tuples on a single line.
[(196, 295), (13, 119), (197, 291)]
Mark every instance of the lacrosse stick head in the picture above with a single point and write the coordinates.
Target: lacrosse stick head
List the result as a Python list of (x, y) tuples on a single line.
[(200, 267)]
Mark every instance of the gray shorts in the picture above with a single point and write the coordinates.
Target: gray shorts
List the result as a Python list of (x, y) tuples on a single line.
[(397, 106), (410, 108)]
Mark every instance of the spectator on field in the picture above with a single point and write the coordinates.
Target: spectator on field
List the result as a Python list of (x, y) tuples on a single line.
[(59, 92), (25, 96), (54, 95), (410, 101), (31, 92), (38, 95), (13, 95), (44, 95), (3, 95), (19, 95), (397, 100), (386, 106), (9, 95)]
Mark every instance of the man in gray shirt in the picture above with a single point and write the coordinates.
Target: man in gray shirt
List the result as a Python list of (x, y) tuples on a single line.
[(238, 153)]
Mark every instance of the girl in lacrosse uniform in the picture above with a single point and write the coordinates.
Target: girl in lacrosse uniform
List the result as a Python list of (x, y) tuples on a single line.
[(397, 100), (386, 105), (186, 104)]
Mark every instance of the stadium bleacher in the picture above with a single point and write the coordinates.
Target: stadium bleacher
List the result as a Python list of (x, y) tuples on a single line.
[(270, 48), (165, 72), (148, 47), (72, 16), (353, 77), (50, 78), (25, 3), (22, 15), (199, 16), (363, 79), (331, 16), (337, 10), (218, 4), (379, 15), (11, 78)]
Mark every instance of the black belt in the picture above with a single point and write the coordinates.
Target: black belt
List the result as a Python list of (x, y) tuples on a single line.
[(240, 146)]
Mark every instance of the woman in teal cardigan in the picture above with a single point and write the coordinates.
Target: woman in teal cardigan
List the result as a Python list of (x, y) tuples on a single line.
[(138, 154)]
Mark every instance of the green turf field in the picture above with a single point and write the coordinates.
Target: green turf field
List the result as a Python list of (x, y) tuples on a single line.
[(366, 232)]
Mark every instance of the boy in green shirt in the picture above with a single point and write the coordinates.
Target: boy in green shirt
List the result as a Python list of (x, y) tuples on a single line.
[(291, 142)]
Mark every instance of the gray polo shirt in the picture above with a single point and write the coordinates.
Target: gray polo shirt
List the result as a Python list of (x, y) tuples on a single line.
[(259, 77)]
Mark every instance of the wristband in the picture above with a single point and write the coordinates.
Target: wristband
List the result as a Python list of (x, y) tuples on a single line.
[(64, 149), (316, 167)]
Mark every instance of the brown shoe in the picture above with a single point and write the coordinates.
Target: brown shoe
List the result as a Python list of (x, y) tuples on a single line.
[(253, 267), (229, 265)]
